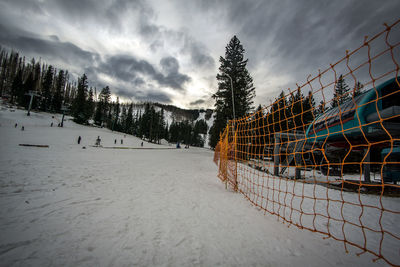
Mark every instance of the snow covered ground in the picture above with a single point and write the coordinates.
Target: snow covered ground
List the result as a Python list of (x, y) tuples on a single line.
[(65, 205)]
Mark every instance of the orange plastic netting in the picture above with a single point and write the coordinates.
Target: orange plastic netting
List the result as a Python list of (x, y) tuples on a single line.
[(332, 167)]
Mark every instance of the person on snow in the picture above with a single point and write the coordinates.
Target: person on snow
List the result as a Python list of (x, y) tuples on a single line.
[(79, 139), (98, 141)]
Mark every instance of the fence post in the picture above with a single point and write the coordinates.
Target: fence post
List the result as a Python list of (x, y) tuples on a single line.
[(297, 161), (276, 153), (235, 148), (367, 166)]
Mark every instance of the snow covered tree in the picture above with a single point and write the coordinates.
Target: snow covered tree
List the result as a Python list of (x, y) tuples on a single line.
[(233, 75)]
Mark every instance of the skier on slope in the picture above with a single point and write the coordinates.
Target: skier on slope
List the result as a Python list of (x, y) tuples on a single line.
[(98, 141)]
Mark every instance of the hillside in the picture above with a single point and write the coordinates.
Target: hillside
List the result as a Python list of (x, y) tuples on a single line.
[(175, 114)]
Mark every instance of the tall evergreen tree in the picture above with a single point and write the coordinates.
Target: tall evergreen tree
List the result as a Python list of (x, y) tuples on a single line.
[(129, 119), (47, 86), (116, 112), (90, 104), (79, 105), (16, 88), (341, 92), (58, 94), (102, 106), (29, 84), (233, 75), (320, 109), (308, 111), (357, 89)]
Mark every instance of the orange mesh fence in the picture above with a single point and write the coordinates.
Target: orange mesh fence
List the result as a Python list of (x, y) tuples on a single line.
[(332, 167)]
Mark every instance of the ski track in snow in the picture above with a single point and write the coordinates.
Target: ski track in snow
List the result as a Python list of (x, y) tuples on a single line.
[(65, 205)]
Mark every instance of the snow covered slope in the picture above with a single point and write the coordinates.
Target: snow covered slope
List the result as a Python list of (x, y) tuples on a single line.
[(69, 206)]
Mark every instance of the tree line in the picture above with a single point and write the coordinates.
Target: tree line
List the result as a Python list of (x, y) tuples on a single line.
[(55, 91), (18, 77)]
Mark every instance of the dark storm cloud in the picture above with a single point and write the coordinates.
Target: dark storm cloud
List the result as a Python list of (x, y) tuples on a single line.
[(155, 96), (197, 102), (296, 38), (196, 50), (169, 64), (198, 55), (137, 74), (143, 95), (130, 69), (307, 35), (29, 6), (51, 48)]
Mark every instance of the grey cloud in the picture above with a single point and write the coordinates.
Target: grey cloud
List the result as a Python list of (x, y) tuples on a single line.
[(54, 38), (51, 48), (197, 51), (169, 64), (143, 95), (29, 6), (130, 69), (197, 102), (155, 96), (111, 15), (135, 73), (155, 45), (199, 56), (296, 38), (156, 34)]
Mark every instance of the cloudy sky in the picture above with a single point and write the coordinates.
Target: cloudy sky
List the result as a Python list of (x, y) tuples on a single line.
[(168, 51)]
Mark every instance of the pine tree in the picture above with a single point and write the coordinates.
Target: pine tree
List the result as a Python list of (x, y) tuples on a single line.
[(357, 89), (308, 111), (233, 75), (29, 84), (102, 106), (79, 106), (116, 115), (16, 88), (280, 114), (58, 94), (341, 92), (320, 109), (129, 119), (47, 85), (90, 104), (295, 110)]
